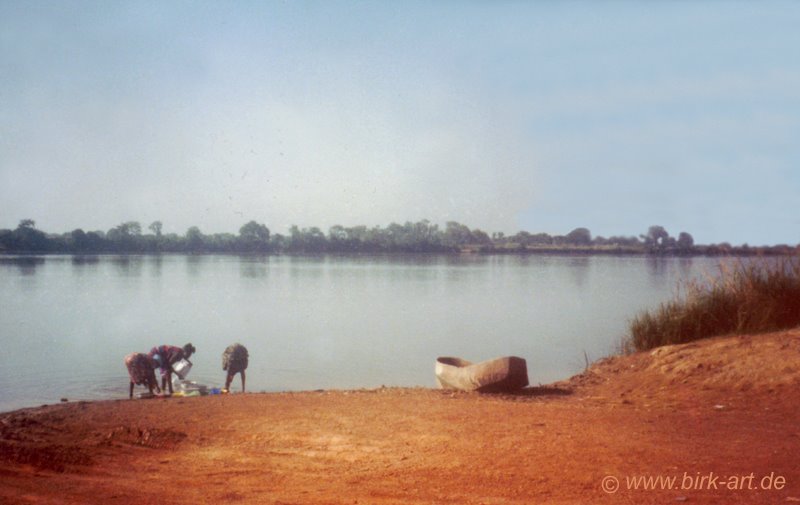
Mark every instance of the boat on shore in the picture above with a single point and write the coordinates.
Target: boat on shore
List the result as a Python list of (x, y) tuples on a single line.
[(508, 373)]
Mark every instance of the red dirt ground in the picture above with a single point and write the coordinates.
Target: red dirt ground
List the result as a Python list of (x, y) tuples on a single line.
[(721, 417)]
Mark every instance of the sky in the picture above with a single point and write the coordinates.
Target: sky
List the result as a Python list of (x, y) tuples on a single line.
[(504, 116)]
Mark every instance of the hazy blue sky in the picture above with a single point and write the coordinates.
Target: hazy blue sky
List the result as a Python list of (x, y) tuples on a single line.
[(542, 116)]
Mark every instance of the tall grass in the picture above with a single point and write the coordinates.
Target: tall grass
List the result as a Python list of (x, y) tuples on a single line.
[(748, 297)]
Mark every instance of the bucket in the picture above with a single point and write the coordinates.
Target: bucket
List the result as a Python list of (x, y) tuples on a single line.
[(189, 386), (181, 368)]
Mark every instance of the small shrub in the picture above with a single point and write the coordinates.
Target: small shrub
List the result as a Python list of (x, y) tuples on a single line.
[(751, 297)]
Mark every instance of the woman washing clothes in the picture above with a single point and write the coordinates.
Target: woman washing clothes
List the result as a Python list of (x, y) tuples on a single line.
[(234, 360), (166, 356), (142, 371)]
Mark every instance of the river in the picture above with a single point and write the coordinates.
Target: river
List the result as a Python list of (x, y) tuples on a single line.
[(315, 322)]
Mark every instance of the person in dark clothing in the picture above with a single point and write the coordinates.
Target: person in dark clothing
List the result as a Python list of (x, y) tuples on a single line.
[(234, 360)]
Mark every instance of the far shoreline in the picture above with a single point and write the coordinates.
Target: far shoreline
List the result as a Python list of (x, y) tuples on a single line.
[(705, 252)]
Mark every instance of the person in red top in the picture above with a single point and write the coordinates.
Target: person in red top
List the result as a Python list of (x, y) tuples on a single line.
[(167, 355)]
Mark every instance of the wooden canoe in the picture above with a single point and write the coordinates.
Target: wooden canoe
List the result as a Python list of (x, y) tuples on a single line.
[(495, 375)]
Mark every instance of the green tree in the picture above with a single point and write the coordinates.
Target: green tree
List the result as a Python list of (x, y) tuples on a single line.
[(656, 237), (541, 239), (133, 227), (27, 238), (78, 240), (307, 239), (194, 239), (498, 236), (339, 240), (685, 241), (481, 237), (314, 239), (579, 236), (125, 237), (156, 227), (624, 241), (125, 230), (522, 238), (254, 237)]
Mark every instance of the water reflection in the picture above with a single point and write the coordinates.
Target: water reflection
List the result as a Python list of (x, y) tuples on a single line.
[(682, 269), (658, 267), (25, 264), (81, 260), (127, 266), (156, 263), (84, 265), (253, 267), (194, 264), (579, 269), (302, 267), (543, 261), (685, 266), (466, 260)]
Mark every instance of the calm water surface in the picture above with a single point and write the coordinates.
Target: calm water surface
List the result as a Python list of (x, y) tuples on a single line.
[(66, 322)]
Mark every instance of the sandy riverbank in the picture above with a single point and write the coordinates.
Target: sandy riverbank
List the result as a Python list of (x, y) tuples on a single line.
[(727, 407)]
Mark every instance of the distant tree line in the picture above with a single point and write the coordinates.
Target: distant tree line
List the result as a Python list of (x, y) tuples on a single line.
[(419, 237)]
